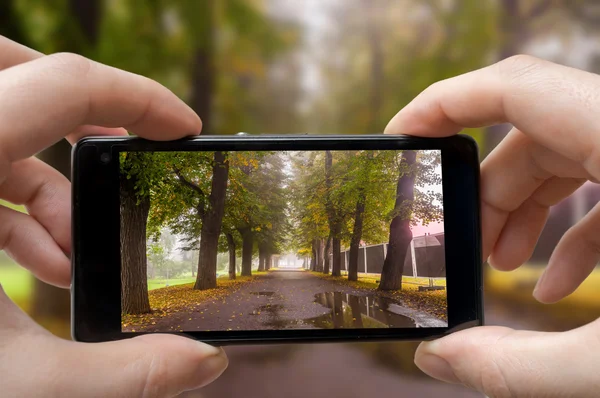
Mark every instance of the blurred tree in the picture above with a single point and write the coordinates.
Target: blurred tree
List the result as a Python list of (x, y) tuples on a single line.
[(80, 32), (10, 24)]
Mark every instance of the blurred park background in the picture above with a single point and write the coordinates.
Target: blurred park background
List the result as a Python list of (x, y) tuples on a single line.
[(319, 66)]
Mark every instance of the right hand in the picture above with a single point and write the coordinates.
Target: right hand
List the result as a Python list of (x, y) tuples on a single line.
[(552, 150)]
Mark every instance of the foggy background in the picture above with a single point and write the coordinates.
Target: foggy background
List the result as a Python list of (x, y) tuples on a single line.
[(319, 66)]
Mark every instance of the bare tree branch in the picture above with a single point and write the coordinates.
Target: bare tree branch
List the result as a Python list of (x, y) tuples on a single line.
[(195, 187)]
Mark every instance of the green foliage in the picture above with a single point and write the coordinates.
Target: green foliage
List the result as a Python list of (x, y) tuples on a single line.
[(358, 175), (179, 185)]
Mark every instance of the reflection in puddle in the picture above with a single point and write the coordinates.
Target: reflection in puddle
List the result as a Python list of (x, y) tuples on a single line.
[(350, 311), (347, 312), (268, 294)]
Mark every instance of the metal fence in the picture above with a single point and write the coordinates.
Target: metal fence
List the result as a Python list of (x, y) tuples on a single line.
[(426, 257)]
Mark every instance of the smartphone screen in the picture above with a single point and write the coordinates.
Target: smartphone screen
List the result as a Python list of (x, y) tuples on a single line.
[(276, 239), (269, 240)]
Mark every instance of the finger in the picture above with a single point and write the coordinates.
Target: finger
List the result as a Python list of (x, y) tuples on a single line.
[(46, 194), (523, 227), (30, 245), (97, 131), (148, 366), (498, 202), (13, 53), (501, 362), (555, 105), (56, 94), (573, 260), (507, 195), (15, 324)]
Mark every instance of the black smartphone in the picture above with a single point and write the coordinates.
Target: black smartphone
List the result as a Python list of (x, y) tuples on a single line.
[(272, 239)]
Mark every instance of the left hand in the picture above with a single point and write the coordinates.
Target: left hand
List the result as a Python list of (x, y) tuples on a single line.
[(42, 100)]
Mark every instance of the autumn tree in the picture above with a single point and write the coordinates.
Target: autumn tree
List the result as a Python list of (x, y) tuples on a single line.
[(371, 175), (411, 206), (309, 215), (334, 214), (269, 218), (138, 176), (192, 204), (249, 210)]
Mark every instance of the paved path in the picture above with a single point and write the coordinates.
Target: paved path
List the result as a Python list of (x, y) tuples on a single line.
[(346, 370), (320, 370), (294, 299)]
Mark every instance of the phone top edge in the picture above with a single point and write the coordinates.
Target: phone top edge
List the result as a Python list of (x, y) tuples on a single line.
[(271, 137)]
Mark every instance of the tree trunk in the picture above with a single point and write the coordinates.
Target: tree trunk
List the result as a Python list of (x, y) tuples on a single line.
[(313, 257), (356, 236), (268, 261), (10, 24), (514, 33), (211, 224), (134, 278), (400, 233), (88, 15), (327, 253), (336, 266), (374, 37), (203, 71), (231, 248), (335, 227), (319, 254), (247, 249), (49, 301), (262, 258)]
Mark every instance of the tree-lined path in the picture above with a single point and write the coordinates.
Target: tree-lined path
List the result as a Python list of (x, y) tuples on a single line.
[(260, 206), (294, 299)]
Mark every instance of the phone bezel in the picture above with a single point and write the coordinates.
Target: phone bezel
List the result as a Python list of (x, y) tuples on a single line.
[(96, 286)]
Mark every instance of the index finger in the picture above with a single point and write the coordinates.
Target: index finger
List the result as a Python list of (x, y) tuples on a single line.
[(556, 106), (14, 53), (44, 99)]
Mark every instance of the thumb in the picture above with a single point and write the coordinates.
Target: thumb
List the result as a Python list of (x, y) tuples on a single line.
[(145, 366), (502, 362)]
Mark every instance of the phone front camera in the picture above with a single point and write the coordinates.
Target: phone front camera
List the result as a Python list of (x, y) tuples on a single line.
[(105, 158)]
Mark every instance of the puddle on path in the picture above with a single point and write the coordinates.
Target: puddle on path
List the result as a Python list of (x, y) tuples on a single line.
[(347, 311)]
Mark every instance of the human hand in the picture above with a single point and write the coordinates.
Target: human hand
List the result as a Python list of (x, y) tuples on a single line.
[(42, 99), (552, 150)]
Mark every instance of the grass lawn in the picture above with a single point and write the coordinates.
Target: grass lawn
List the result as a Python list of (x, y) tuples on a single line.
[(370, 281), (17, 282), (154, 284), (159, 283), (520, 283)]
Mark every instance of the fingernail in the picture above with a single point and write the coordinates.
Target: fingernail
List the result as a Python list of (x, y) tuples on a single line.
[(209, 350), (538, 285), (436, 367), (213, 366)]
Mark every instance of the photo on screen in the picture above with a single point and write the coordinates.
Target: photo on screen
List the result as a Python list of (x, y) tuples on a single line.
[(271, 240)]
